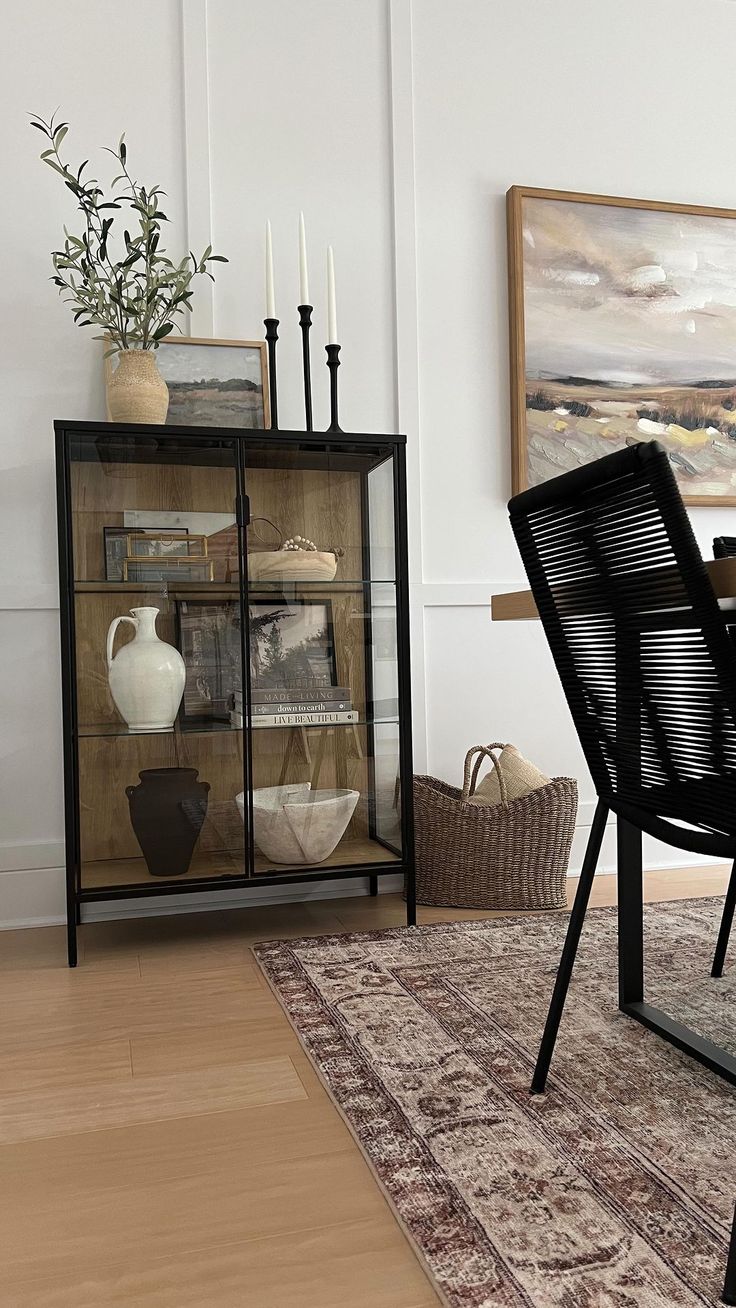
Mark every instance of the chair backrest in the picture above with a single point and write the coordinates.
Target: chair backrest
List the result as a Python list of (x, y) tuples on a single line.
[(724, 547), (635, 630)]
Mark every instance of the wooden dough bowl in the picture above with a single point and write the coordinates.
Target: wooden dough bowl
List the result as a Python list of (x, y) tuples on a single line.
[(292, 565)]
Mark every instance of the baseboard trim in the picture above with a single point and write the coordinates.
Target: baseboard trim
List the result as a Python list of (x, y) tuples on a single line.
[(32, 890), (171, 905)]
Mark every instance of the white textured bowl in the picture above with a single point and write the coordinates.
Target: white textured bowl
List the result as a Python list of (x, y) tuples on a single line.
[(295, 824)]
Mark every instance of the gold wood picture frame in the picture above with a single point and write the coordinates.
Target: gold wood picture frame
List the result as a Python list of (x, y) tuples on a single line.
[(622, 324), (164, 544), (140, 567), (212, 383)]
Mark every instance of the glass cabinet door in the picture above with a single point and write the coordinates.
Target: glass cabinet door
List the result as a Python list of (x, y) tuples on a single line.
[(322, 695), (160, 761)]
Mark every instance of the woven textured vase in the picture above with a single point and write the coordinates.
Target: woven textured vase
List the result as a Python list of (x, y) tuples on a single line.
[(136, 391)]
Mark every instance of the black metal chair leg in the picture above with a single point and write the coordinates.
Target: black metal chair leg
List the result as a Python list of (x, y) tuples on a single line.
[(719, 958), (630, 914), (729, 1285), (572, 939)]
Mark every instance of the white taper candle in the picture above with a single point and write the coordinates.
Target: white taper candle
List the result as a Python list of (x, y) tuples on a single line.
[(303, 275), (331, 301), (270, 298)]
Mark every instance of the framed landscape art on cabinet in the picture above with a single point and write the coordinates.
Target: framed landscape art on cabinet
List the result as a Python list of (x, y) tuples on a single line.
[(212, 382), (215, 383), (622, 328)]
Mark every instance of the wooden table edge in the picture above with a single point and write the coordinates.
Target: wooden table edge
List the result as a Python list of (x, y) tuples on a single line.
[(518, 605)]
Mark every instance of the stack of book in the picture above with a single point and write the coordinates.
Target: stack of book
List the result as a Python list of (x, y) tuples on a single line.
[(323, 706)]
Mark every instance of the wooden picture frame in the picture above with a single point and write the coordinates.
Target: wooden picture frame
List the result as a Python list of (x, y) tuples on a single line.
[(703, 456), (209, 640), (209, 410)]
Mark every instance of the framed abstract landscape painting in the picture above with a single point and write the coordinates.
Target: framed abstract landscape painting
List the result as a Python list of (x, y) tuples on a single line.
[(215, 383), (623, 328)]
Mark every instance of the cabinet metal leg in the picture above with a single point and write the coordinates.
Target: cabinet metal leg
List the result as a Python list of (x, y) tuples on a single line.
[(411, 898), (373, 881), (73, 913), (71, 939)]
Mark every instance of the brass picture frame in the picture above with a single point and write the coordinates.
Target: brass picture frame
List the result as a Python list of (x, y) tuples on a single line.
[(192, 546), (142, 568)]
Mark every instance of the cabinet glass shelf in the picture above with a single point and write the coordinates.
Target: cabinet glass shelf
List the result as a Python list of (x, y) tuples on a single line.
[(227, 867), (172, 589), (155, 518), (112, 729)]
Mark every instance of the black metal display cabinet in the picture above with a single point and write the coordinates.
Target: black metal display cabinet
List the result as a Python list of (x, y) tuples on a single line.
[(248, 721)]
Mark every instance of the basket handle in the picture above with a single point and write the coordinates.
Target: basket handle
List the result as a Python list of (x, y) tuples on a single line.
[(470, 779), (257, 534)]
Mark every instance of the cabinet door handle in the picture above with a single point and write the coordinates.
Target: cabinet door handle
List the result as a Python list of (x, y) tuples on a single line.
[(242, 510)]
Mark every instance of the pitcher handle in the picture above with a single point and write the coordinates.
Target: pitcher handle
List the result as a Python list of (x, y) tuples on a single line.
[(111, 634)]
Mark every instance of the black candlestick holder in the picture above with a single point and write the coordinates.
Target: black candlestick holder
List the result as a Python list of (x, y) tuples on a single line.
[(305, 322), (333, 363), (272, 335)]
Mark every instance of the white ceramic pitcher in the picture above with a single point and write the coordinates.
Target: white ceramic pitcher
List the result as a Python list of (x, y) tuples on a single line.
[(146, 676)]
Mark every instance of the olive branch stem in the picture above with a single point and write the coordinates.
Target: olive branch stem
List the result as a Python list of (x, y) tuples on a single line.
[(135, 298)]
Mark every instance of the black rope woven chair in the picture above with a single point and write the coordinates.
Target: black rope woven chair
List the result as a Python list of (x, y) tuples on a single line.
[(724, 547), (649, 673)]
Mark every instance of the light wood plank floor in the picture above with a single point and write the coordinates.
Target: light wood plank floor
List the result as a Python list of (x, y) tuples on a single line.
[(164, 1142)]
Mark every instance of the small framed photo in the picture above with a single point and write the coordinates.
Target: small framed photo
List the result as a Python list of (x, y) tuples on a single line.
[(156, 568), (212, 383), (117, 545), (165, 545), (209, 635), (292, 645)]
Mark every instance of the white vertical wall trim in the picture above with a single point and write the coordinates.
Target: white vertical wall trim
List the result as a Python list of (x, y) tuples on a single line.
[(195, 74), (401, 83)]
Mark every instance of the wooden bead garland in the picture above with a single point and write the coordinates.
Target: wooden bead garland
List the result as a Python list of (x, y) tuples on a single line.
[(298, 543)]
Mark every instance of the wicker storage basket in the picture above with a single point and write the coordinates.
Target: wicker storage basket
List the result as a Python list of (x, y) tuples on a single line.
[(513, 855)]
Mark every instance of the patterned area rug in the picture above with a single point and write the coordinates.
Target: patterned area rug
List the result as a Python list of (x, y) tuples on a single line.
[(613, 1190)]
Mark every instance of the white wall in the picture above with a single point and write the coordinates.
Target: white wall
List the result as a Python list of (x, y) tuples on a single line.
[(78, 55), (397, 128), (568, 96), (311, 133)]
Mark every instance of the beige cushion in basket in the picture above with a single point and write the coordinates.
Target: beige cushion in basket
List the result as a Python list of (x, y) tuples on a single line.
[(520, 775)]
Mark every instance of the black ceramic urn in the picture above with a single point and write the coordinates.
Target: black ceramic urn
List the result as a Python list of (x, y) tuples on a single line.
[(167, 810)]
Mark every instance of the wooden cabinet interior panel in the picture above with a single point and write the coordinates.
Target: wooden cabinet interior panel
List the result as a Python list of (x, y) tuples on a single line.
[(101, 492), (323, 506)]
